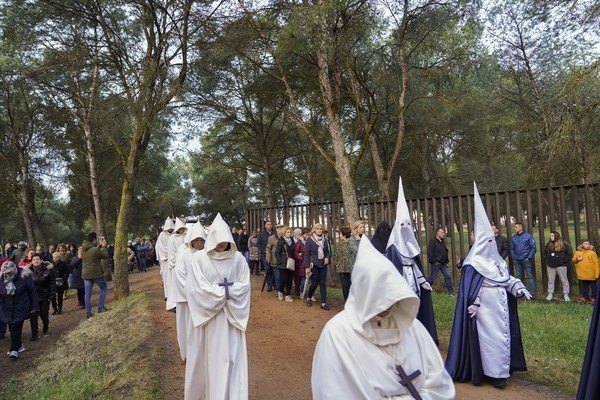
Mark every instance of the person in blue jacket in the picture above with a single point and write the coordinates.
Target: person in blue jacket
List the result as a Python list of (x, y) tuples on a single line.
[(522, 251), (18, 300)]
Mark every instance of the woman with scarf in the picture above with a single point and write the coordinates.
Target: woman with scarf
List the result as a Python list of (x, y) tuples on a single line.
[(44, 280), (358, 228), (317, 254), (18, 299), (283, 251)]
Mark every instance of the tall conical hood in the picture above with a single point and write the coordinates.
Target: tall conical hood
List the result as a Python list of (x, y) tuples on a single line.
[(179, 224), (376, 287), (196, 231), (219, 232), (403, 233), (169, 224), (484, 256)]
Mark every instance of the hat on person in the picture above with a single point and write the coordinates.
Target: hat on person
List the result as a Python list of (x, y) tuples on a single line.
[(279, 225)]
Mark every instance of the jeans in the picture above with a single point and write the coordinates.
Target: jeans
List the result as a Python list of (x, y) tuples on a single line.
[(89, 284), (269, 273), (246, 255), (276, 276), (444, 268), (345, 279), (526, 265), (586, 288)]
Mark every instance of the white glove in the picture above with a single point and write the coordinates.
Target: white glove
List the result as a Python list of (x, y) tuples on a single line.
[(472, 310), (524, 292), (425, 285)]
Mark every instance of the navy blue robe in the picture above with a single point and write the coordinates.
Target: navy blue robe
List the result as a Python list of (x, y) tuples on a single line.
[(589, 383), (425, 314), (463, 361)]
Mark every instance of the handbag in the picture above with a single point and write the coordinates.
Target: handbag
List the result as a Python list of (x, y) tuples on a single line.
[(291, 263)]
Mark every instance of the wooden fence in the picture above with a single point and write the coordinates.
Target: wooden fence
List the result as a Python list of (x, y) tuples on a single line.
[(571, 210)]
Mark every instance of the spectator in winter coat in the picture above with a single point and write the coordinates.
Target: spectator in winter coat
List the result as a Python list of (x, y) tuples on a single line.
[(557, 256), (18, 300), (44, 280), (522, 251), (243, 244), (317, 256), (61, 273), (254, 253), (501, 242), (588, 271), (263, 238), (300, 236), (76, 279), (284, 250)]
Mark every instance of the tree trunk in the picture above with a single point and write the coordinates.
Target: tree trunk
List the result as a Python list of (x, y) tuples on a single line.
[(91, 159), (121, 275), (26, 204)]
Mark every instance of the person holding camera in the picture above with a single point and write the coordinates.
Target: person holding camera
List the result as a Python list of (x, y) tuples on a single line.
[(93, 251)]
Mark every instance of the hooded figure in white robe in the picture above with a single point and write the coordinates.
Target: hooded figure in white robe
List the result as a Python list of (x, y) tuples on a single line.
[(194, 241), (364, 350), (218, 297), (162, 249), (485, 343), (404, 252), (176, 239)]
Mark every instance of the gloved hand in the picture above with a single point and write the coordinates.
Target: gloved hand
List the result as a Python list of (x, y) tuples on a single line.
[(472, 310), (425, 285), (524, 292)]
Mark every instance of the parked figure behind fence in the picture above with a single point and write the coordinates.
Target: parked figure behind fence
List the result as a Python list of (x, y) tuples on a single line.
[(522, 251), (557, 256), (588, 271)]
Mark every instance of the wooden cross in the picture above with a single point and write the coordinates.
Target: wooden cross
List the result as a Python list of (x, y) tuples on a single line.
[(226, 285), (406, 381)]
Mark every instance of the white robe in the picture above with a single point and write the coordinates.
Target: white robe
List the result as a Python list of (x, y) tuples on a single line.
[(178, 296), (162, 254), (349, 366), (175, 241), (217, 362), (493, 326)]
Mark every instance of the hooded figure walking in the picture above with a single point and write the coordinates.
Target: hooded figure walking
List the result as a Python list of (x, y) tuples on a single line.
[(404, 252), (485, 343), (376, 348)]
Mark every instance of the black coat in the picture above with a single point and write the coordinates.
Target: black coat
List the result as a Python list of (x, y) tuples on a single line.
[(589, 381), (17, 307), (44, 280), (282, 251)]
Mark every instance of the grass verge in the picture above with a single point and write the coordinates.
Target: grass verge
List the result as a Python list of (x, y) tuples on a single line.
[(105, 357)]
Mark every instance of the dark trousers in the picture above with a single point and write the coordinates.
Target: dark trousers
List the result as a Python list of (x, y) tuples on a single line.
[(444, 268), (285, 281), (57, 300), (254, 267), (16, 332), (141, 261), (588, 289), (42, 312), (319, 278), (269, 273), (81, 297), (3, 326), (346, 281)]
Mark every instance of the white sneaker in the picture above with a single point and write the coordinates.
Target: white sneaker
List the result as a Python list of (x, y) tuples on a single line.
[(549, 297), (289, 299), (13, 354), (22, 349), (567, 298), (280, 296)]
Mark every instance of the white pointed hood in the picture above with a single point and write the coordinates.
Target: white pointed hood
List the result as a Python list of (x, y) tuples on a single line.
[(169, 224), (196, 231), (377, 286), (403, 233), (179, 224), (483, 255), (219, 232)]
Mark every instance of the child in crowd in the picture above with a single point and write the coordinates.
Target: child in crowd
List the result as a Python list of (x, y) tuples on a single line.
[(588, 270)]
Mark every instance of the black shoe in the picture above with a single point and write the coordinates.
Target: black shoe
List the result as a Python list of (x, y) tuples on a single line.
[(309, 303), (55, 312), (59, 312), (45, 330), (269, 289), (325, 307), (499, 383), (88, 316), (34, 338)]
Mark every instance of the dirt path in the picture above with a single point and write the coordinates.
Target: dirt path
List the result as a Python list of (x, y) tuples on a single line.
[(281, 339)]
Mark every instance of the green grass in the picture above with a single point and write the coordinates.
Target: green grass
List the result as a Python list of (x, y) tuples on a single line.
[(102, 358), (554, 339)]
